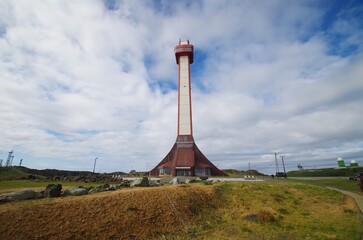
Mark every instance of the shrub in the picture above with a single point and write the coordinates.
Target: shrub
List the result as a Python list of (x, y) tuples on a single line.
[(266, 215)]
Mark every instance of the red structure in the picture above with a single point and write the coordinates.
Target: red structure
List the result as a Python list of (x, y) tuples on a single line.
[(185, 159)]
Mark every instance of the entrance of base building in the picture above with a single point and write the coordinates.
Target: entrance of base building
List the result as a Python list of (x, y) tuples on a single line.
[(183, 172)]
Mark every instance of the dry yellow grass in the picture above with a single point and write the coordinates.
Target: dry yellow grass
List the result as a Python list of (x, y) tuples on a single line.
[(142, 213)]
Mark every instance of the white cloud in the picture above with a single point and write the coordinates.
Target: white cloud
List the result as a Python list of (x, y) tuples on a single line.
[(78, 80)]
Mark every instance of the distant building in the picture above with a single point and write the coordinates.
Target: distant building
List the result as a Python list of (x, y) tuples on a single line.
[(341, 162), (353, 163), (185, 159)]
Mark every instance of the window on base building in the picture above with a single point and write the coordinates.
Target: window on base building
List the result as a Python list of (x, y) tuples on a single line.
[(202, 171), (165, 171)]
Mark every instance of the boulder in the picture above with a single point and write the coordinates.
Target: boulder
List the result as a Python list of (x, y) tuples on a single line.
[(79, 178), (31, 177), (103, 188), (53, 190), (4, 200), (250, 217), (124, 184), (22, 195), (174, 181), (78, 191), (135, 183), (56, 178), (96, 190), (154, 183), (144, 182)]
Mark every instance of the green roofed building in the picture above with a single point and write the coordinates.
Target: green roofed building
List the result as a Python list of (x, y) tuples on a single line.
[(353, 163), (341, 162)]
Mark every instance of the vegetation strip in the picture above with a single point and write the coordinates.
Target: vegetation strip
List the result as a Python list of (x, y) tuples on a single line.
[(248, 210)]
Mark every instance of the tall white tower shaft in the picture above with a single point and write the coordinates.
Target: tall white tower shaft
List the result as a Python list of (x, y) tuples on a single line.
[(184, 107)]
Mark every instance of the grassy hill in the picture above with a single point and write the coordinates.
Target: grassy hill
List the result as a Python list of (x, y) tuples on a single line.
[(17, 172), (242, 173), (327, 172), (245, 210)]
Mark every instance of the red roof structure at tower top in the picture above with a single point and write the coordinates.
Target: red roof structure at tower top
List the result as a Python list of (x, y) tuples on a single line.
[(184, 49)]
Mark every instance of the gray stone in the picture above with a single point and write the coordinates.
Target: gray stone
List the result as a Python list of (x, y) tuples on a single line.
[(187, 181), (154, 183), (100, 188), (144, 182), (124, 184), (78, 191), (53, 190), (4, 200), (251, 217), (103, 188), (174, 181), (22, 195), (96, 190), (135, 183)]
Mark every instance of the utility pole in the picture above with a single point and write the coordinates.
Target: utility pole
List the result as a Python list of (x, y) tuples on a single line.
[(283, 164), (94, 166), (249, 168), (11, 162), (8, 164), (277, 164)]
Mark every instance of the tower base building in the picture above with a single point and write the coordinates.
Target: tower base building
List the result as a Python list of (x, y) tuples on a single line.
[(185, 158)]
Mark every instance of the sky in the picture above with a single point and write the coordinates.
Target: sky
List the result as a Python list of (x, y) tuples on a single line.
[(81, 79)]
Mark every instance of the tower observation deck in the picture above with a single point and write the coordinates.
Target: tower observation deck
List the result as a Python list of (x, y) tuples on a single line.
[(185, 159)]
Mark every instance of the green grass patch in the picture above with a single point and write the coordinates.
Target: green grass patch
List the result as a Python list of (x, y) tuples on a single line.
[(11, 172), (275, 210), (327, 172), (340, 183)]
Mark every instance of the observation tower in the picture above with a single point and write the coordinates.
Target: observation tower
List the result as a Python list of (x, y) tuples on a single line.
[(185, 159)]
